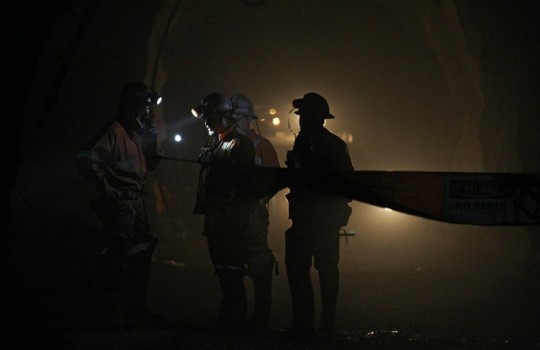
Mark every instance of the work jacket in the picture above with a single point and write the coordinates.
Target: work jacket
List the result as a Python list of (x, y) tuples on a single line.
[(227, 173), (118, 159), (317, 150)]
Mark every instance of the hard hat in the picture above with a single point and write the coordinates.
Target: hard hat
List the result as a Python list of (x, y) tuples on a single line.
[(137, 93), (242, 106), (312, 105), (213, 104)]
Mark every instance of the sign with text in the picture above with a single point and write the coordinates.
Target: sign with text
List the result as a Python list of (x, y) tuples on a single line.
[(491, 199)]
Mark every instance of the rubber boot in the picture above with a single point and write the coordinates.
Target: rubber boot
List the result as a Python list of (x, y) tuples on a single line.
[(233, 307), (329, 280), (260, 269)]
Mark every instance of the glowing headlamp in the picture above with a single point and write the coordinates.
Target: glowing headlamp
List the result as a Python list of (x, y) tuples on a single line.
[(155, 98), (197, 112)]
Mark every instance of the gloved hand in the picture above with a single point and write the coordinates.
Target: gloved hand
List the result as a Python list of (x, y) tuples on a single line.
[(148, 127), (204, 156), (149, 141)]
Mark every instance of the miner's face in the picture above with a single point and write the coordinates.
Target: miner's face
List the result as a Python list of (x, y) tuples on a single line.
[(215, 124)]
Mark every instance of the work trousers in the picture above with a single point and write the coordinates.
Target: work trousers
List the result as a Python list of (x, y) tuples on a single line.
[(306, 243), (260, 265), (127, 253), (225, 232)]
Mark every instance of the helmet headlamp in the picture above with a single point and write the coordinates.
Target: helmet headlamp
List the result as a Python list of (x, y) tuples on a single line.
[(197, 111), (155, 98), (137, 93), (214, 104)]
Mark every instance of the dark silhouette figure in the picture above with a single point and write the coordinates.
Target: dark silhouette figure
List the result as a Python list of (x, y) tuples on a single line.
[(117, 161), (225, 199), (261, 260), (317, 217)]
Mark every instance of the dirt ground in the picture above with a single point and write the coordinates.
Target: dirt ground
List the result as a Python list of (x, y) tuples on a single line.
[(46, 299)]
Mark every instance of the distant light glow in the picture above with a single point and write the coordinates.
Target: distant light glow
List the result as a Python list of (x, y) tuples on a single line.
[(272, 111), (177, 137), (346, 136), (276, 121), (159, 99)]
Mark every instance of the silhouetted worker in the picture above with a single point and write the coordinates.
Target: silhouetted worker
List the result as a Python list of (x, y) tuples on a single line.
[(118, 161), (225, 200), (261, 261), (316, 217)]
